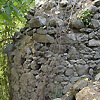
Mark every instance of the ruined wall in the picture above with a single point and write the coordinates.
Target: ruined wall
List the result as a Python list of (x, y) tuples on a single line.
[(47, 56)]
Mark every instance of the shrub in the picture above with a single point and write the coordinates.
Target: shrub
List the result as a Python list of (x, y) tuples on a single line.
[(86, 17)]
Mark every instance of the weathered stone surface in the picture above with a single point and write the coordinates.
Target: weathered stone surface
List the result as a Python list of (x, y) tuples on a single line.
[(97, 55), (96, 16), (53, 22), (77, 23), (97, 77), (73, 53), (41, 31), (72, 36), (37, 22), (82, 69), (93, 9), (50, 57), (87, 30), (48, 6), (82, 38), (88, 93), (97, 3), (17, 58), (91, 35), (57, 99), (79, 85), (52, 31), (43, 38), (91, 71), (63, 3), (69, 72), (27, 78), (14, 73), (94, 42), (95, 23), (66, 88), (68, 96), (74, 79)]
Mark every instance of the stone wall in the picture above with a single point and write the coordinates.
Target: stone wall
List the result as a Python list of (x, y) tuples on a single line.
[(47, 56)]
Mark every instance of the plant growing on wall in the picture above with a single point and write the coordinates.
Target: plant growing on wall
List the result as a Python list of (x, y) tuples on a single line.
[(86, 17)]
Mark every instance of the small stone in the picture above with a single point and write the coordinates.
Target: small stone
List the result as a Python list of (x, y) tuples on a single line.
[(82, 69), (66, 88), (75, 74), (86, 77), (97, 55), (73, 53), (69, 72), (41, 31), (97, 77), (64, 83), (33, 65), (37, 46), (29, 17), (52, 31), (91, 71), (48, 6), (74, 79), (57, 99), (30, 33), (43, 38), (22, 30), (96, 16), (44, 68), (32, 12), (65, 78), (82, 38), (94, 42), (97, 3), (41, 61), (68, 95), (37, 22), (93, 9), (52, 22), (87, 30), (80, 61), (63, 3), (95, 23), (91, 35), (99, 9), (79, 85), (37, 77), (72, 36), (48, 54), (28, 50), (44, 48), (77, 23)]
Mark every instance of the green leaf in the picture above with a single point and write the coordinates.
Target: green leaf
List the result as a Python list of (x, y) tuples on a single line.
[(8, 12), (16, 12)]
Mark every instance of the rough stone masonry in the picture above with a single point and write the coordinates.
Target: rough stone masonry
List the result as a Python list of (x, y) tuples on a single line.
[(47, 56)]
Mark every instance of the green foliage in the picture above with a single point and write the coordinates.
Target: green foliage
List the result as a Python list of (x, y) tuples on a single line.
[(4, 83), (86, 17), (14, 8), (12, 14)]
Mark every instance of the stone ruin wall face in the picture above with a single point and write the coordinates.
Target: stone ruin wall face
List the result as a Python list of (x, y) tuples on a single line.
[(47, 57)]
